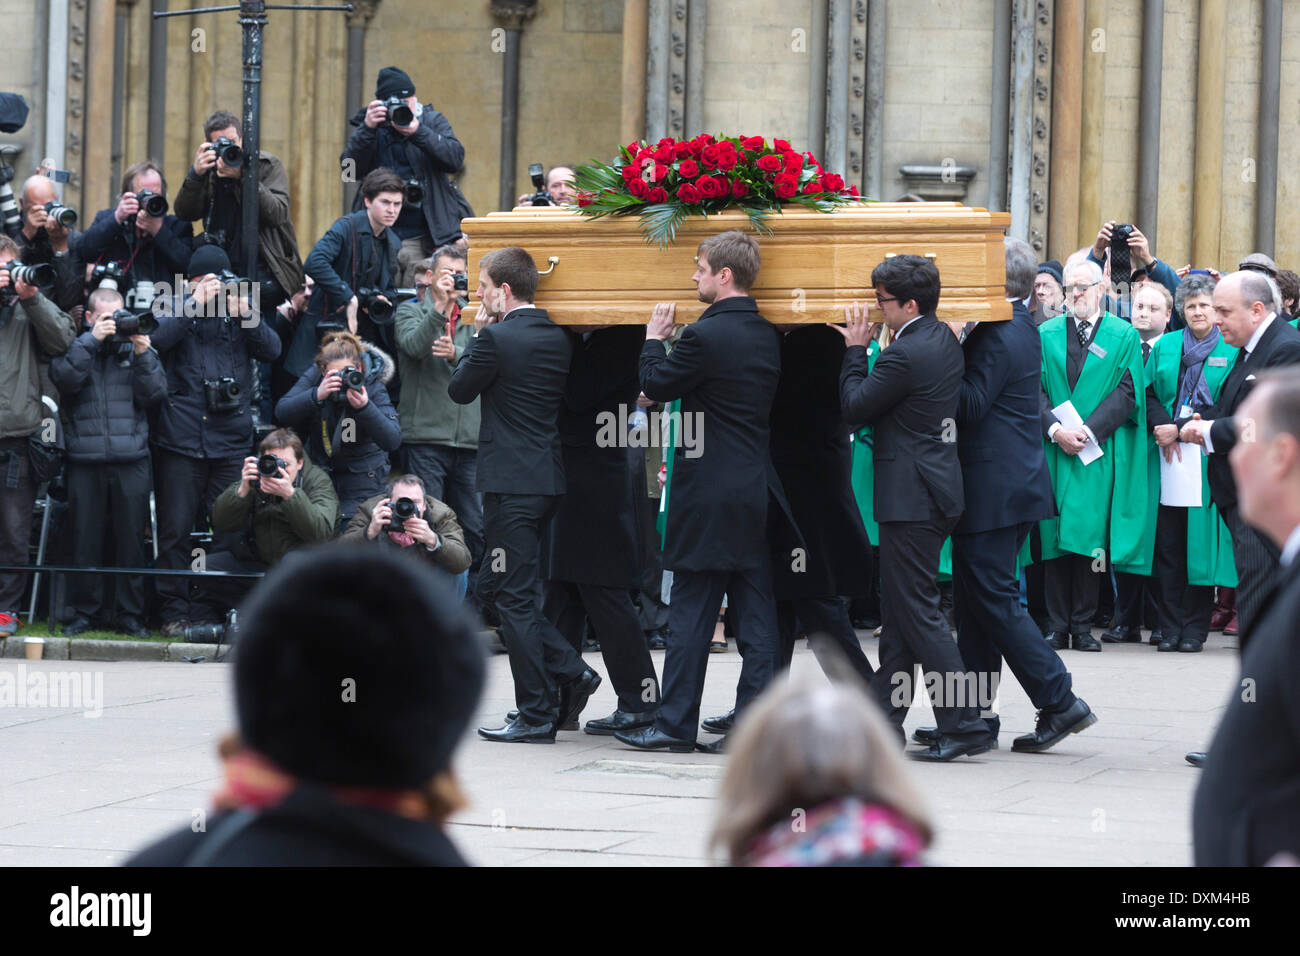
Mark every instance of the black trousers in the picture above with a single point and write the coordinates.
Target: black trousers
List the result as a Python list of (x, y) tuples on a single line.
[(539, 654), (1071, 587), (1135, 599), (916, 632), (17, 499), (1257, 560), (830, 634), (184, 490), (1184, 609), (450, 474), (108, 497), (216, 596), (992, 626), (622, 643), (692, 614)]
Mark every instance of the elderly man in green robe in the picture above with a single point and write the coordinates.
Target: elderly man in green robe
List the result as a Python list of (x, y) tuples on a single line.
[(1093, 360)]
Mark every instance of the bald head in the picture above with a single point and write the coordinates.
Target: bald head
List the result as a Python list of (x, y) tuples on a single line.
[(1242, 301), (37, 191)]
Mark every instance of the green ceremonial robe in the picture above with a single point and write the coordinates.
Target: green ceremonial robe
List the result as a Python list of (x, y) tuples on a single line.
[(863, 475), (669, 443), (1209, 545), (1103, 506)]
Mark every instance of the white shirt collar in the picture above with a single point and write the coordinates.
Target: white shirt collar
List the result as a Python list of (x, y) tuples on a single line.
[(904, 328), (1292, 547), (516, 309), (1259, 332)]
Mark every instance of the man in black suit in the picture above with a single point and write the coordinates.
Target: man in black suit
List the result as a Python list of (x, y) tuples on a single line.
[(910, 398), (997, 424), (725, 369), (1246, 306), (1247, 806), (517, 363)]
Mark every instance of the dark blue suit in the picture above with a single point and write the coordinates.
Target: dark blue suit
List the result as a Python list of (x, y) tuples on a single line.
[(1008, 489)]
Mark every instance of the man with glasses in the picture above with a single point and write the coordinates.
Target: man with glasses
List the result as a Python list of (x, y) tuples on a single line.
[(1091, 359)]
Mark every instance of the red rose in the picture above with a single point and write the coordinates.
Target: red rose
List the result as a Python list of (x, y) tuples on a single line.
[(786, 186), (793, 162), (682, 150), (853, 190), (781, 145), (704, 139), (643, 155), (769, 163), (813, 187), (739, 189), (710, 155), (638, 188), (728, 160), (689, 169), (583, 201), (724, 185), (664, 154), (629, 173), (727, 146), (832, 182), (633, 148), (666, 141), (751, 142), (660, 173), (657, 194), (708, 187), (688, 193)]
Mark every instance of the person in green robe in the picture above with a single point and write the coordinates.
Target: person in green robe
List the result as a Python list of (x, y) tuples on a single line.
[(1193, 546), (1093, 360)]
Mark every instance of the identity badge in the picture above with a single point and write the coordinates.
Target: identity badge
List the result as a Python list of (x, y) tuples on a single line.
[(1097, 350)]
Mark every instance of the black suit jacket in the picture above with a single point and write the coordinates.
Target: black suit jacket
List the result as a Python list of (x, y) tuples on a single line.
[(518, 367), (1247, 806), (910, 399), (1279, 345), (1114, 409), (725, 369), (998, 424)]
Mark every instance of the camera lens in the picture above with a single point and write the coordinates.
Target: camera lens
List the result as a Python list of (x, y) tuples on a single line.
[(403, 508)]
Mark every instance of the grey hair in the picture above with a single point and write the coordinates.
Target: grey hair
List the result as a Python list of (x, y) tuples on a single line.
[(1257, 287), (1191, 287), (1022, 268), (1088, 265)]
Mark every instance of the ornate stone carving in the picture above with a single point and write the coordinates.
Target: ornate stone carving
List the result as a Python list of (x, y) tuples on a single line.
[(362, 12)]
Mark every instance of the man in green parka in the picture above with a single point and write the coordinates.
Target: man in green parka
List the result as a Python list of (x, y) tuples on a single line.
[(1093, 360), (1193, 546)]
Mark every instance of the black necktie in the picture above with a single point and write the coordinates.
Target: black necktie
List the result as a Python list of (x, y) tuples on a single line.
[(1146, 350), (1084, 326)]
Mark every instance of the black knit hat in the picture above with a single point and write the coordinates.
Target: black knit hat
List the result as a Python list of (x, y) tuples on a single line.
[(393, 82), (1053, 269), (356, 666), (207, 260)]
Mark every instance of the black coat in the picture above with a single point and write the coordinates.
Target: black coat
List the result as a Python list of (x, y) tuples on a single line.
[(309, 828), (725, 369), (813, 458), (594, 536), (1247, 805), (105, 405), (910, 399), (1003, 467), (1279, 345), (519, 366), (159, 258)]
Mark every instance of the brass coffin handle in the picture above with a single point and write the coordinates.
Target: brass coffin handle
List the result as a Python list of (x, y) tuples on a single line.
[(554, 261)]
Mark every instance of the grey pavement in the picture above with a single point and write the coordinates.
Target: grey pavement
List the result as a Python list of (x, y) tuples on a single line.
[(87, 790)]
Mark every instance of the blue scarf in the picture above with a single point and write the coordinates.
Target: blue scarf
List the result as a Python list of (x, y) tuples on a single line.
[(1193, 390)]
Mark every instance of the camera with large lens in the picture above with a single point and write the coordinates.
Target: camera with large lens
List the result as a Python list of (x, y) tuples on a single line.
[(224, 632), (223, 395), (414, 192), (65, 216), (107, 275), (11, 220), (131, 323), (154, 204), (37, 273), (402, 509), (354, 380), (270, 466), (228, 151), (399, 114), (1121, 260), (460, 283), (538, 176)]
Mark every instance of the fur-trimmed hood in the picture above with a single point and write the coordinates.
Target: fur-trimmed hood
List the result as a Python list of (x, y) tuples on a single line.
[(380, 366)]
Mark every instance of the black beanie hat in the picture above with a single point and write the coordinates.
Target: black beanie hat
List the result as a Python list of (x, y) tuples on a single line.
[(356, 666), (393, 82), (1053, 269), (207, 260)]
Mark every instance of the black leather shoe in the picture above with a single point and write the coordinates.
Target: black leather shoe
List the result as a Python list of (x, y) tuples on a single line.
[(575, 694), (714, 747), (1051, 728), (1195, 758), (652, 738), (78, 625), (719, 725), (1190, 645), (1123, 634), (133, 626), (1169, 643), (619, 720), (1156, 637), (949, 748), (657, 639), (513, 715), (1084, 642), (520, 732), (928, 735), (1058, 641)]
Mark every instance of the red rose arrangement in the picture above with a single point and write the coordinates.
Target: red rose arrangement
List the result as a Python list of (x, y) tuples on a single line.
[(672, 179)]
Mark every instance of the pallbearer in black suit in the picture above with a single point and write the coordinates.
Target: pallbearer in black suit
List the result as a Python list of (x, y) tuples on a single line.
[(518, 362), (910, 398), (1004, 473), (725, 369)]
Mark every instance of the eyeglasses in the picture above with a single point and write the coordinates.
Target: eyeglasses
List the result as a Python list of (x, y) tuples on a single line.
[(882, 299), (1080, 287)]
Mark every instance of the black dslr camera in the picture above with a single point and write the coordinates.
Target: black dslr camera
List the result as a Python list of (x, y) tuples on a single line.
[(154, 204), (37, 273), (538, 176), (269, 466), (214, 633), (65, 216), (399, 114), (228, 151), (414, 192), (354, 380), (461, 285), (223, 395), (107, 275), (402, 509), (130, 323), (1121, 261)]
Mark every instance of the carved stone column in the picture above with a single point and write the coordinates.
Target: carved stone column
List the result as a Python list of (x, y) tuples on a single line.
[(363, 11), (1041, 142), (512, 17)]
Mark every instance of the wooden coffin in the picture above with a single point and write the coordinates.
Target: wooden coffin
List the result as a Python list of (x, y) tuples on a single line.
[(814, 264)]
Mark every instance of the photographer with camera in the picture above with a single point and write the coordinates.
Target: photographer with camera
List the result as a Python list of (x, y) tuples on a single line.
[(208, 339), (212, 191), (150, 245), (407, 517), (109, 378), (47, 237), (32, 329), (1122, 252), (280, 503), (341, 405), (553, 189), (416, 142)]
